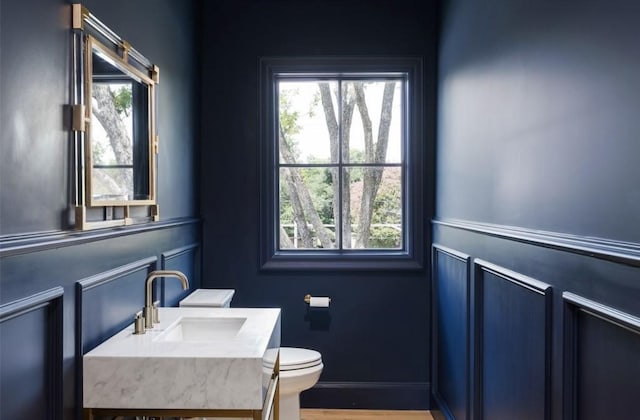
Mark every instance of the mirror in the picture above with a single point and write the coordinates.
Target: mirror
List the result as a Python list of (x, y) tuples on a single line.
[(119, 134), (113, 127)]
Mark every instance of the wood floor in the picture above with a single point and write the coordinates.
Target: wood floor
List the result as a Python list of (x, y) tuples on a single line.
[(321, 414)]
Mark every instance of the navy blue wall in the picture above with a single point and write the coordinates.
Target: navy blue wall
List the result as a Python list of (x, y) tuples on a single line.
[(538, 116), (63, 292), (375, 349), (537, 226)]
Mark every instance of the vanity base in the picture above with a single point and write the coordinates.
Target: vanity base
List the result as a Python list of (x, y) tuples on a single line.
[(270, 410)]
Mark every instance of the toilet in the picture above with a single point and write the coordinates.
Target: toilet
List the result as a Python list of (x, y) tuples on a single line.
[(300, 368)]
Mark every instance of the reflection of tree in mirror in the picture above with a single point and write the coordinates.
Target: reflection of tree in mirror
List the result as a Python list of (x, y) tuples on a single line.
[(111, 140), (122, 100), (371, 196)]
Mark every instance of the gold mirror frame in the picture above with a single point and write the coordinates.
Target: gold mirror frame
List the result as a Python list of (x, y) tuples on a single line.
[(92, 36)]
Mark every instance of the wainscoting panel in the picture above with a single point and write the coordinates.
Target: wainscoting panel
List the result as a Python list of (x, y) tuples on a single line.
[(31, 357), (102, 274), (543, 350), (182, 259), (451, 331), (513, 346), (601, 341), (107, 302)]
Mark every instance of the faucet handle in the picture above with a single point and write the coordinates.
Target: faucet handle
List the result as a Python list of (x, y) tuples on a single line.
[(148, 317), (156, 314), (138, 323)]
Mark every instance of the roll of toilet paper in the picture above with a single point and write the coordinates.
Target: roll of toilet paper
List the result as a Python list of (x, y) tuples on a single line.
[(319, 302)]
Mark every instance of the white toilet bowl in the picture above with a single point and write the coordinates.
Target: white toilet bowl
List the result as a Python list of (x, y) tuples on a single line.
[(300, 370)]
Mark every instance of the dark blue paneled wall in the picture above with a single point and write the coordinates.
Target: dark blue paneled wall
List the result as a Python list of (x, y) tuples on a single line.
[(62, 292), (537, 176), (375, 348)]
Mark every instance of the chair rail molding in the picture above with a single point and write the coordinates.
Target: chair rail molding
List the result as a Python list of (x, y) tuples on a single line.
[(606, 249)]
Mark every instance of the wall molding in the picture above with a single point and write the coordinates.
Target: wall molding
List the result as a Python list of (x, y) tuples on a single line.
[(519, 279), (176, 252), (452, 252), (607, 249), (527, 283), (41, 241), (30, 303), (50, 299), (114, 274), (603, 312), (101, 279), (437, 396), (574, 304)]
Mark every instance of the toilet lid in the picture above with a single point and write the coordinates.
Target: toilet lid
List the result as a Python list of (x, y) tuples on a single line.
[(292, 358)]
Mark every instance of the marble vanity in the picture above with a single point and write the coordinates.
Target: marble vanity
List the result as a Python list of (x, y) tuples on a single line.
[(214, 362)]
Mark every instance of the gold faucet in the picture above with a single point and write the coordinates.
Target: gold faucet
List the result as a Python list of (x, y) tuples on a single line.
[(149, 315)]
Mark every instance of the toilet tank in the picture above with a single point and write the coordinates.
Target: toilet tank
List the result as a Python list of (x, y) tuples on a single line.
[(212, 298)]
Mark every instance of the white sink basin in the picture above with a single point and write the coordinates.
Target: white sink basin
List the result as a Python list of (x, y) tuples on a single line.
[(195, 358), (191, 329)]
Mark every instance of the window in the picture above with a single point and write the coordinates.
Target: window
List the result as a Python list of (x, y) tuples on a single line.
[(341, 163)]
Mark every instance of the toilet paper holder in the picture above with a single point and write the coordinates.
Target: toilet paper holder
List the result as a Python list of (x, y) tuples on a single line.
[(307, 299)]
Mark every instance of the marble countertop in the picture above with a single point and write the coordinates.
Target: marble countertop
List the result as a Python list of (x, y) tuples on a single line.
[(143, 371), (215, 298)]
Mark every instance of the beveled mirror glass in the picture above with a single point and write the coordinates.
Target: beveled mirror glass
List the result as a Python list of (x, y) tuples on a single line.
[(119, 133), (114, 127)]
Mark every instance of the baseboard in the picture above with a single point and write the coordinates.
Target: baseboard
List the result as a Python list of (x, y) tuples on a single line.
[(368, 395), (440, 410), (437, 414)]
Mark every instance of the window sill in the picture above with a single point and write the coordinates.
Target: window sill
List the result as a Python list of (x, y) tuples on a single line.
[(334, 261)]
